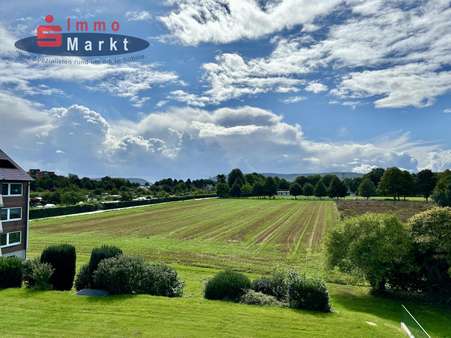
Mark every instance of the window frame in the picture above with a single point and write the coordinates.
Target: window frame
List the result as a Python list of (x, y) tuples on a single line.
[(9, 189), (8, 234), (8, 215)]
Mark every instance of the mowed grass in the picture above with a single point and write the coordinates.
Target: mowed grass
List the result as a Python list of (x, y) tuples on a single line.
[(255, 236), (249, 235)]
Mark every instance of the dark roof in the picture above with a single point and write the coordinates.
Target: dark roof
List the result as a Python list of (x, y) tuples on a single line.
[(10, 170)]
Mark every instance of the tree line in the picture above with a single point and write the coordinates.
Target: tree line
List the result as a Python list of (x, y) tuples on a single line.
[(391, 182)]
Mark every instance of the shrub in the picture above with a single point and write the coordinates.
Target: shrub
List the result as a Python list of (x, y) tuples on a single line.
[(10, 272), (227, 285), (307, 293), (98, 254), (161, 280), (84, 278), (276, 285), (442, 191), (252, 297), (63, 259), (119, 275), (130, 275), (37, 275)]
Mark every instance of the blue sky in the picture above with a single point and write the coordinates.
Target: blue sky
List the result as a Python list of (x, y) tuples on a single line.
[(272, 86)]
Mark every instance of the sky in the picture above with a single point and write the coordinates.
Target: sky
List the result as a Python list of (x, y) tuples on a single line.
[(285, 86)]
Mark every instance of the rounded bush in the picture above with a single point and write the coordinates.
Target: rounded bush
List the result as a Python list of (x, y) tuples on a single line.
[(275, 285), (252, 297), (10, 272), (131, 275), (63, 259), (98, 254), (161, 280), (37, 275), (307, 293), (227, 285), (84, 278)]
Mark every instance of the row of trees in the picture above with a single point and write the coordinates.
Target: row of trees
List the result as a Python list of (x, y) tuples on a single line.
[(392, 182), (237, 184)]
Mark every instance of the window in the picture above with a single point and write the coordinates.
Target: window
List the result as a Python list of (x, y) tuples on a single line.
[(14, 238), (10, 239), (15, 189), (3, 239), (12, 189), (11, 214)]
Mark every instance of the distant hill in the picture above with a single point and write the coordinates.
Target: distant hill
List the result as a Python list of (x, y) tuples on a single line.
[(292, 177), (139, 181)]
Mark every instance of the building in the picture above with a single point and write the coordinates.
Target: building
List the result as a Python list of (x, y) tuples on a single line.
[(14, 207), (283, 192)]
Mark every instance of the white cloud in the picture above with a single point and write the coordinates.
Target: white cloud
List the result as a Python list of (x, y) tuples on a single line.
[(316, 87), (447, 111), (229, 20), (293, 99), (138, 15), (201, 142)]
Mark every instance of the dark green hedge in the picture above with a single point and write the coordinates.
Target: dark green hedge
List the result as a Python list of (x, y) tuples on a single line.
[(77, 209), (63, 259)]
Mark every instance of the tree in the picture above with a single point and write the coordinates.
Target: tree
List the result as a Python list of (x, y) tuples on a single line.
[(407, 184), (442, 191), (235, 175), (222, 189), (270, 187), (308, 189), (284, 184), (246, 189), (126, 196), (337, 188), (235, 191), (367, 188), (313, 179), (320, 189), (295, 190), (430, 231), (301, 180), (327, 179), (258, 189), (426, 181), (352, 183), (391, 183), (375, 175), (376, 245), (221, 178)]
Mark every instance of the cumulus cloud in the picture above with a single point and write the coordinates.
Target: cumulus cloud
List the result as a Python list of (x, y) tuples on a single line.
[(202, 142), (385, 51), (222, 21)]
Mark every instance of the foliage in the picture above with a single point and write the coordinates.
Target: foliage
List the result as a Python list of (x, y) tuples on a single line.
[(307, 293), (375, 175), (236, 176), (367, 188), (37, 275), (227, 285), (270, 187), (222, 190), (83, 280), (101, 253), (426, 181), (320, 189), (252, 297), (430, 232), (375, 245), (63, 259), (396, 183), (10, 272), (308, 189), (161, 280), (131, 275), (275, 285), (295, 190), (442, 191), (235, 190), (337, 188)]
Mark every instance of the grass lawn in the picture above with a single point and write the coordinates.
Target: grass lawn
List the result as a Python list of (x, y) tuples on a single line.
[(197, 238)]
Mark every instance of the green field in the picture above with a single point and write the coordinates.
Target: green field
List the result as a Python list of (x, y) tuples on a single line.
[(198, 238)]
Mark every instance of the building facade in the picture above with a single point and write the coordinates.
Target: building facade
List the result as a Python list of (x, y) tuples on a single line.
[(14, 207)]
